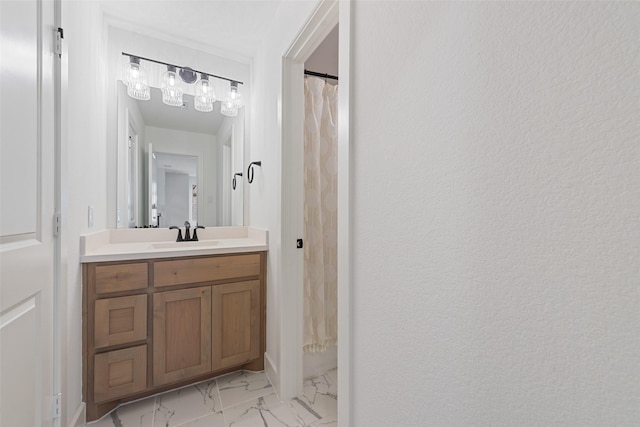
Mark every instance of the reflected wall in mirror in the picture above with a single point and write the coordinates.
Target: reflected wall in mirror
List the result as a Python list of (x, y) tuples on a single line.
[(176, 164)]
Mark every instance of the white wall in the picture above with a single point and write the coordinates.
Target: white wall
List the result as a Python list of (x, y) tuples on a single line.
[(83, 177), (496, 240), (266, 145), (231, 133)]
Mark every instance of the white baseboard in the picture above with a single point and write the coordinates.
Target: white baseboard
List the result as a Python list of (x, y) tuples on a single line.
[(318, 363), (79, 417), (272, 373)]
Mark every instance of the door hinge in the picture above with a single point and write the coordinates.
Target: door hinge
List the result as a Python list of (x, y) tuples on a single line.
[(59, 37), (56, 404), (57, 223)]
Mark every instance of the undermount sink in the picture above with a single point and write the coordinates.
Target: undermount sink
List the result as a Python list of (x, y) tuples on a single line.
[(177, 245)]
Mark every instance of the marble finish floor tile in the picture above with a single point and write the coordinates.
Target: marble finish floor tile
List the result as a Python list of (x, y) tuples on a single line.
[(135, 414), (241, 387), (267, 411), (320, 395), (333, 376), (177, 407), (240, 399), (326, 422)]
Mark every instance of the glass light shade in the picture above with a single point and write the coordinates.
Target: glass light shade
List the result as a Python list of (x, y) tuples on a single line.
[(232, 102), (171, 90), (228, 108), (136, 79), (205, 96), (234, 95), (202, 105)]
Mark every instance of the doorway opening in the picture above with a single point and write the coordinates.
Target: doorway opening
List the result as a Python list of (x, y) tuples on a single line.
[(320, 304), (323, 21)]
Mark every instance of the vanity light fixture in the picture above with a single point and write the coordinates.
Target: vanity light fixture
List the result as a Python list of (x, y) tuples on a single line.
[(136, 79), (172, 89), (205, 96)]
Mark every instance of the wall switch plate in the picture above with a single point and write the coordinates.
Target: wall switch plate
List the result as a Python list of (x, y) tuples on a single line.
[(90, 216)]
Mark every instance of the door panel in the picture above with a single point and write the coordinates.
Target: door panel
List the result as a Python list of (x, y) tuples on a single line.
[(236, 323), (181, 334), (27, 205)]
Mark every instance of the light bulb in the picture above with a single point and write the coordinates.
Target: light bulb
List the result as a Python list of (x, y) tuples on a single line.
[(205, 96), (136, 79), (232, 102), (171, 91)]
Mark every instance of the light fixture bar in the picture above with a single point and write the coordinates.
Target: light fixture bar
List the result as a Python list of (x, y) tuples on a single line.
[(178, 66)]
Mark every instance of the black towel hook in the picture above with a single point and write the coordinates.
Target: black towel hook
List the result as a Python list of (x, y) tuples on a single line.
[(233, 183), (250, 170)]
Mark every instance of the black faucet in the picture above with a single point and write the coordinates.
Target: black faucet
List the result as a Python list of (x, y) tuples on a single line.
[(179, 239), (194, 238), (187, 234)]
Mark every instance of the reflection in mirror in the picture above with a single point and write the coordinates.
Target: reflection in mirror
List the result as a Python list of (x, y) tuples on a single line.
[(176, 164)]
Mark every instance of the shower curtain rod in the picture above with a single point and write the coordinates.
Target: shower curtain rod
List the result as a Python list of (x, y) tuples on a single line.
[(324, 76)]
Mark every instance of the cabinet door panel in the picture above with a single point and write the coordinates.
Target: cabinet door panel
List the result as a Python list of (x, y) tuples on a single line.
[(181, 334), (120, 373), (236, 323), (120, 320)]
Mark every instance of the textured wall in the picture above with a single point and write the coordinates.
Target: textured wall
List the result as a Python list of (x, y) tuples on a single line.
[(266, 145), (496, 207), (84, 178)]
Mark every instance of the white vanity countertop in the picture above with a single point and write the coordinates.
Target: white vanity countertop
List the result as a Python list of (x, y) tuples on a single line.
[(144, 243)]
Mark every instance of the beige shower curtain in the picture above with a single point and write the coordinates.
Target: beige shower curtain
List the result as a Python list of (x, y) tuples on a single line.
[(320, 212)]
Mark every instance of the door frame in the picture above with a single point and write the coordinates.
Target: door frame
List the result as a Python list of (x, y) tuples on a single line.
[(327, 14)]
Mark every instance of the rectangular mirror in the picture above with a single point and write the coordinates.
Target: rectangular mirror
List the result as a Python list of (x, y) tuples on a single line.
[(176, 164)]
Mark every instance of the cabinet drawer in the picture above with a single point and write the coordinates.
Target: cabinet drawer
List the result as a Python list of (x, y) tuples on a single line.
[(196, 270), (121, 277), (120, 373), (120, 320)]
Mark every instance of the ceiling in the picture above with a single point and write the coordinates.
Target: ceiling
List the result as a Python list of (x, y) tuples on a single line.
[(236, 26), (157, 114)]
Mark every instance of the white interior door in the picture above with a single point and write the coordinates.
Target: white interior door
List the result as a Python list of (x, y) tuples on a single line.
[(26, 212)]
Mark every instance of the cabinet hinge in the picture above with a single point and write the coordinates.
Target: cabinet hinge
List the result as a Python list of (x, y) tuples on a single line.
[(57, 223), (56, 404), (59, 37)]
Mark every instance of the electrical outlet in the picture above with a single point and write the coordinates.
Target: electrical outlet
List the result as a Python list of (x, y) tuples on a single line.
[(90, 216)]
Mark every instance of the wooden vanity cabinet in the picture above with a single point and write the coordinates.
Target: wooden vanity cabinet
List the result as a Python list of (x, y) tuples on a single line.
[(152, 325)]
